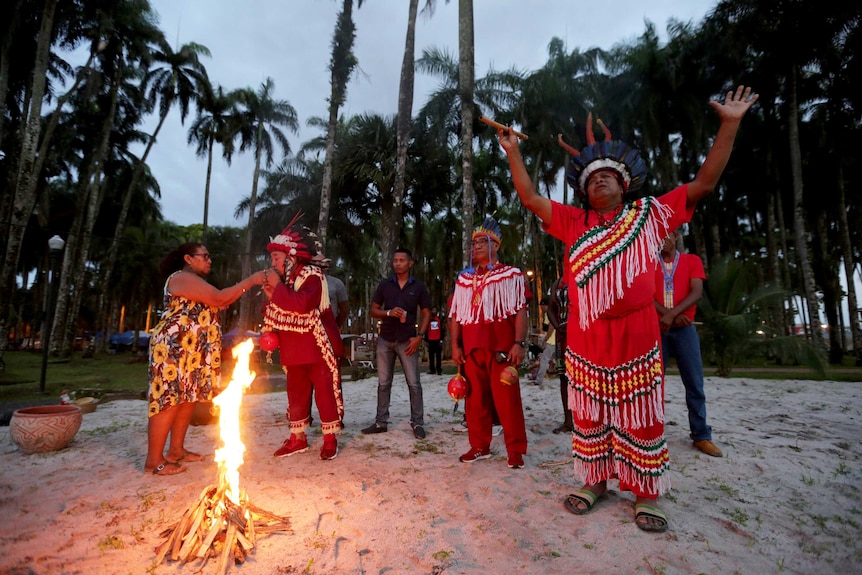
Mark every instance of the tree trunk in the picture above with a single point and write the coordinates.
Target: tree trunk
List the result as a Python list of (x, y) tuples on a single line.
[(25, 186), (466, 79), (78, 244), (110, 262), (799, 232), (341, 67), (210, 146), (245, 303), (5, 59), (847, 256), (391, 230)]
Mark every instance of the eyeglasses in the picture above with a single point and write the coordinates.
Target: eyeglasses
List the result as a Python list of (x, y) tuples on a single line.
[(204, 256)]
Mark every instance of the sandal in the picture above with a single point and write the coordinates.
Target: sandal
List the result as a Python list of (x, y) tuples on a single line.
[(564, 428), (650, 518), (584, 497), (168, 468), (189, 457)]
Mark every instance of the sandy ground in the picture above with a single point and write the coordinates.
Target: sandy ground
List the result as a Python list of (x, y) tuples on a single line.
[(784, 499)]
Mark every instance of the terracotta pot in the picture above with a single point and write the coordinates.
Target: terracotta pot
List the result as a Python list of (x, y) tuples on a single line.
[(45, 427)]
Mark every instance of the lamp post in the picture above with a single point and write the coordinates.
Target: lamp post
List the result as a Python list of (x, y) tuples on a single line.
[(55, 247)]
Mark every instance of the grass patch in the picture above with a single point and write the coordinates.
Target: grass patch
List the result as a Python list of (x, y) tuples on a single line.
[(103, 374)]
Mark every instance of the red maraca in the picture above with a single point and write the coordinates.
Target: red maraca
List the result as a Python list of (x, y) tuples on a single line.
[(268, 341), (509, 376), (458, 387)]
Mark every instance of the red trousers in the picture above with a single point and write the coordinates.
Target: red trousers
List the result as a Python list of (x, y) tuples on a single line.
[(482, 371), (300, 381)]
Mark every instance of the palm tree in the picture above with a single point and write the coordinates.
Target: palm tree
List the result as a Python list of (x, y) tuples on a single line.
[(466, 79), (258, 124), (177, 80), (391, 221), (734, 326), (341, 66), (215, 112), (25, 189)]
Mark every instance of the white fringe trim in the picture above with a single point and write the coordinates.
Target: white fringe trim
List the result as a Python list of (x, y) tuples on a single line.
[(610, 281)]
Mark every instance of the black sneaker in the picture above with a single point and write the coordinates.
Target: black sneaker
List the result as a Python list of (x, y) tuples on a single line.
[(374, 428), (419, 432)]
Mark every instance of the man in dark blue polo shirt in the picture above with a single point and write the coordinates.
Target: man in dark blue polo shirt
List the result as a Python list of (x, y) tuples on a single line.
[(395, 303)]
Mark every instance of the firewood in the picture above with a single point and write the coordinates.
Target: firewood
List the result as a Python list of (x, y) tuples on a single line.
[(214, 530), (227, 550)]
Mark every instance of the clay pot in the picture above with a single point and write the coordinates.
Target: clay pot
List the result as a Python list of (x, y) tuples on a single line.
[(44, 428)]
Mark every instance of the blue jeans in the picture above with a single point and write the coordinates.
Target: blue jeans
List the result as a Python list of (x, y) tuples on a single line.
[(683, 343), (386, 353)]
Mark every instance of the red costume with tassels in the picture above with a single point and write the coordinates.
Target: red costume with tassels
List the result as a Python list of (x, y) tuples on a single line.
[(298, 311), (613, 342)]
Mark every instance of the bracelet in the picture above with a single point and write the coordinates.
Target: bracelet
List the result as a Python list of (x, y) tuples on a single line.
[(387, 312)]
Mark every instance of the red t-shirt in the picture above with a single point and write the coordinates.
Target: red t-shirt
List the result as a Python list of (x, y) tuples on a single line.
[(689, 266)]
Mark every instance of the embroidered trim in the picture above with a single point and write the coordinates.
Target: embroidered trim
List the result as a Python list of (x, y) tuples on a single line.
[(309, 323), (630, 393), (605, 261)]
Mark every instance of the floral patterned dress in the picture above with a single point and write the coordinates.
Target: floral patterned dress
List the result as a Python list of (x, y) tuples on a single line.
[(185, 353)]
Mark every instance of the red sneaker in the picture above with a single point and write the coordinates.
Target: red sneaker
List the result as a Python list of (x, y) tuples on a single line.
[(330, 447), (292, 445), (475, 455)]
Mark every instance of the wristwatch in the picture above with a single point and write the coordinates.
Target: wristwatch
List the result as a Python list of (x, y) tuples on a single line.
[(521, 342)]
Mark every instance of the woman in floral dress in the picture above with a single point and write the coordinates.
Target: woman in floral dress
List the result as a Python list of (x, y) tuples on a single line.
[(185, 353)]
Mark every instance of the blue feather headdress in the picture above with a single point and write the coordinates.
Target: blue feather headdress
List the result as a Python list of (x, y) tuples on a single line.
[(608, 154), (488, 231)]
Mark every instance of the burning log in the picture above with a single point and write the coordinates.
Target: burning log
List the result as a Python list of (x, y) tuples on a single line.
[(222, 522)]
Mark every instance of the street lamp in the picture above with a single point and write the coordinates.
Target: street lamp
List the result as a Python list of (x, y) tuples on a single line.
[(55, 248)]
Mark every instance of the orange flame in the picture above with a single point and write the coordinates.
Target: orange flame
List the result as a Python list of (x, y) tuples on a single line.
[(230, 456)]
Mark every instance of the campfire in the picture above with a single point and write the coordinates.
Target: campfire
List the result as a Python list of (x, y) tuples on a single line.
[(222, 522)]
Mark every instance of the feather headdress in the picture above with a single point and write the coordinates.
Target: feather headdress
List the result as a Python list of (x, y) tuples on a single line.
[(608, 154)]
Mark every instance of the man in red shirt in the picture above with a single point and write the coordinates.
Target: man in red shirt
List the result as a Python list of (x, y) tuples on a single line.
[(679, 286), (434, 339), (489, 313)]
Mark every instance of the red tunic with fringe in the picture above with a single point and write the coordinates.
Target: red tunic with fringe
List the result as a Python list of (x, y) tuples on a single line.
[(613, 341), (485, 304)]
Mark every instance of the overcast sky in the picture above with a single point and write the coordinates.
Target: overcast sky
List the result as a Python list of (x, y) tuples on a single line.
[(289, 41)]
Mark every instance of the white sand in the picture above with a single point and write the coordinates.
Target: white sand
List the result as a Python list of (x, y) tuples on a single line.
[(784, 499)]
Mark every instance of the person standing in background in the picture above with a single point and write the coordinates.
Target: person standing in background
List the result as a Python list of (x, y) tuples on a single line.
[(679, 286), (549, 347), (394, 303), (488, 331), (434, 339), (338, 299), (558, 313)]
